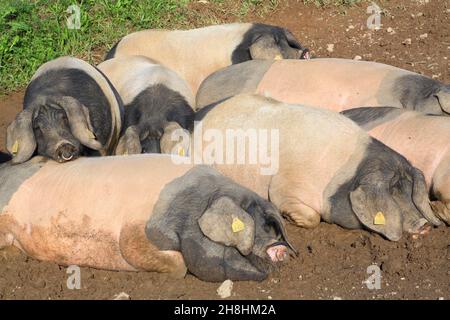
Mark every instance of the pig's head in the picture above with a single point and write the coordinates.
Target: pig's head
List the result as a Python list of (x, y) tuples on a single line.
[(269, 43), (136, 140), (423, 94), (390, 196), (230, 234), (57, 127), (256, 232)]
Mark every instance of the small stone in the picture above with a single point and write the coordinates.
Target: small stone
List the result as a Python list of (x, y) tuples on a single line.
[(121, 296), (423, 36), (269, 297), (357, 58), (390, 30), (39, 284), (441, 298), (224, 291), (330, 47), (419, 14), (337, 298), (407, 41)]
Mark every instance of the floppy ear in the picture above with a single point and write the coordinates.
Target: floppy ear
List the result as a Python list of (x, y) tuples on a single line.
[(273, 214), (444, 99), (265, 48), (292, 41), (226, 223), (175, 140), (20, 140), (420, 197), (129, 143), (79, 121), (385, 218)]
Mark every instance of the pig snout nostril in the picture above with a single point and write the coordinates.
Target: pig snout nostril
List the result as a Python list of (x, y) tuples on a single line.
[(66, 152), (277, 253)]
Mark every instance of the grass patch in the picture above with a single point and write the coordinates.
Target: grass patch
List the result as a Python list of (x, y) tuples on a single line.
[(35, 31)]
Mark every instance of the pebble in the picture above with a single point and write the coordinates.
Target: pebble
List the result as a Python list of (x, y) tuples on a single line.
[(390, 30), (357, 58), (330, 47), (225, 289), (423, 36), (121, 296), (337, 298), (407, 41)]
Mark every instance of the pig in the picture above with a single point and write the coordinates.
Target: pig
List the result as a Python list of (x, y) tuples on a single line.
[(335, 84), (70, 109), (423, 139), (194, 54), (337, 173), (155, 98), (140, 212)]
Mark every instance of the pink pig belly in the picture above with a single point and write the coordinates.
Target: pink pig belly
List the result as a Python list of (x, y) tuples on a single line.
[(74, 213), (325, 85)]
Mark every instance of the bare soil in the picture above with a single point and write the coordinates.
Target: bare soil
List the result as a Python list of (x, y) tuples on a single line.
[(333, 261)]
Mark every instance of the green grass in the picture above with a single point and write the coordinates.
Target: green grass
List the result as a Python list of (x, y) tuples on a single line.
[(33, 32)]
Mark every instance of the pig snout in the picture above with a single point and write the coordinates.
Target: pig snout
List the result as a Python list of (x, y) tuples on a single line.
[(66, 152), (277, 252), (420, 228)]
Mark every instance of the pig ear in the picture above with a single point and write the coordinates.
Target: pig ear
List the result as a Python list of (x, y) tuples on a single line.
[(420, 197), (265, 48), (385, 219), (20, 139), (293, 43), (226, 223), (79, 121), (129, 143), (175, 140), (444, 99), (275, 217)]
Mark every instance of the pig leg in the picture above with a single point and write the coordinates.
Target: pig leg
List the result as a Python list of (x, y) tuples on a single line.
[(138, 251), (287, 201), (442, 210)]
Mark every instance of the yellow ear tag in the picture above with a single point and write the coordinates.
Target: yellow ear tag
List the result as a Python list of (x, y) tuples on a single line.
[(237, 225), (90, 134), (15, 147), (181, 151), (278, 57), (379, 218)]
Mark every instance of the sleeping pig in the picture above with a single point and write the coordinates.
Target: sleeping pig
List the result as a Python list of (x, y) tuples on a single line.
[(155, 99), (195, 54), (327, 167), (140, 212), (69, 109), (336, 84), (422, 139)]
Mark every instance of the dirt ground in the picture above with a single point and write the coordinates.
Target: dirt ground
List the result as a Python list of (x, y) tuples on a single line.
[(333, 262)]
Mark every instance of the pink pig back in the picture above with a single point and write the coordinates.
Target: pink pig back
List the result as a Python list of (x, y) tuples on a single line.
[(335, 84), (423, 140), (78, 209)]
